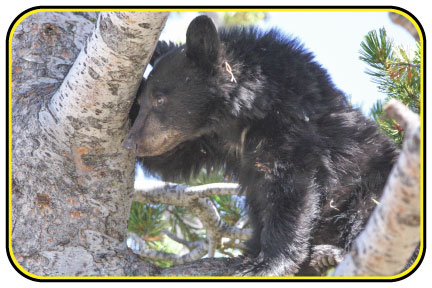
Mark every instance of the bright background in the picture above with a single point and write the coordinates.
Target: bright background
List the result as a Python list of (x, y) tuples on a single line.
[(333, 37)]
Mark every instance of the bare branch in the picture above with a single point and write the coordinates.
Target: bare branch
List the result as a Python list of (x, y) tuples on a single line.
[(192, 222), (242, 221), (405, 23), (229, 254), (399, 112), (197, 253), (211, 220), (212, 189), (180, 194), (161, 192), (233, 243), (393, 231), (236, 233), (196, 198), (189, 245)]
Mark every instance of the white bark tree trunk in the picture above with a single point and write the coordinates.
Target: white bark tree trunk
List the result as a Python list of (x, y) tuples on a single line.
[(72, 180), (393, 231)]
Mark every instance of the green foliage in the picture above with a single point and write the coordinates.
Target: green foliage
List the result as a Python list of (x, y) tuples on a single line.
[(149, 221), (397, 74), (231, 208), (146, 220), (242, 18), (182, 220), (206, 177), (389, 126)]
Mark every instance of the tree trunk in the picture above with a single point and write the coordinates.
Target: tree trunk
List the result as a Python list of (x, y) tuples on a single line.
[(72, 182), (393, 231)]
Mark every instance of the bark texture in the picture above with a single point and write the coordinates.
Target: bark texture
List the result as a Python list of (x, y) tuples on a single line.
[(72, 182), (393, 231)]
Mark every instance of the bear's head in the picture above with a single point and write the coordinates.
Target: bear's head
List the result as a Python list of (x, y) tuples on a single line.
[(179, 99)]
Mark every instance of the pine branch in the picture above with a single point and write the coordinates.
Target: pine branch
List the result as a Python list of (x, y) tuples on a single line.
[(189, 245), (196, 199), (397, 74)]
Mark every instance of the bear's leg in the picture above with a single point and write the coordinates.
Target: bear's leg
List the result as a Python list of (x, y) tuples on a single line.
[(253, 245), (287, 220), (324, 257)]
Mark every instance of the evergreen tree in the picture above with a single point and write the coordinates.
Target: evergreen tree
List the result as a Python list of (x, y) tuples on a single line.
[(397, 73)]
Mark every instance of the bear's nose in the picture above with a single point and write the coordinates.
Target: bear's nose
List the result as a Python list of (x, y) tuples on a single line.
[(129, 143)]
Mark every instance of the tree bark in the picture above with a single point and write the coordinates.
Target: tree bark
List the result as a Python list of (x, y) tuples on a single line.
[(393, 232), (72, 182)]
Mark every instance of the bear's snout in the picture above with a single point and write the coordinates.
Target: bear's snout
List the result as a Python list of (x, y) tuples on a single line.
[(129, 144)]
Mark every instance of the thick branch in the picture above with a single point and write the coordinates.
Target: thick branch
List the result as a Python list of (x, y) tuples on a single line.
[(223, 266), (96, 95), (180, 194), (199, 251), (73, 181), (393, 231)]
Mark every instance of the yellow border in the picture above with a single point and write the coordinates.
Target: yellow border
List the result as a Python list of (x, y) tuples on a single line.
[(323, 278)]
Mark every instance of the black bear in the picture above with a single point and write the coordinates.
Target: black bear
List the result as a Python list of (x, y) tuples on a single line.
[(258, 105)]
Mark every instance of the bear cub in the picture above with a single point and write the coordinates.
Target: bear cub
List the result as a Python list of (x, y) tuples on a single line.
[(257, 105)]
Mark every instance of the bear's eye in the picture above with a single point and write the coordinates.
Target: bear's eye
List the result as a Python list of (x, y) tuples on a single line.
[(160, 101)]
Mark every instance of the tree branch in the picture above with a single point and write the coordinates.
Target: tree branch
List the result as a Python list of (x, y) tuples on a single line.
[(72, 178), (189, 245), (180, 194), (199, 251), (393, 231), (405, 23), (196, 198)]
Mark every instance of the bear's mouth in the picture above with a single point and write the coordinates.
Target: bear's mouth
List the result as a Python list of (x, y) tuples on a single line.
[(155, 146)]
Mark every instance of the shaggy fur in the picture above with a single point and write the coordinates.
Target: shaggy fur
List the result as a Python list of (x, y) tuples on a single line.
[(309, 164)]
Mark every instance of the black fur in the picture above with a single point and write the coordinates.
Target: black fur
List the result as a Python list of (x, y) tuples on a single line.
[(309, 164)]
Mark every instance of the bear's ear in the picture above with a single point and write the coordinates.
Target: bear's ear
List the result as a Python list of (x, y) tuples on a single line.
[(162, 48), (202, 41)]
